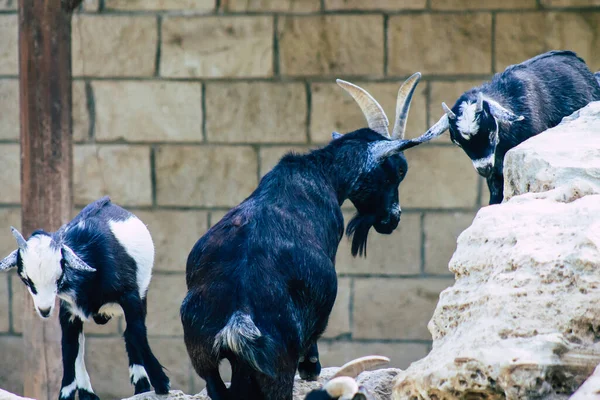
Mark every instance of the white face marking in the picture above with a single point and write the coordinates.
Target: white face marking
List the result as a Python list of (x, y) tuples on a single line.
[(137, 372), (41, 264), (484, 162), (466, 123), (133, 235), (81, 375)]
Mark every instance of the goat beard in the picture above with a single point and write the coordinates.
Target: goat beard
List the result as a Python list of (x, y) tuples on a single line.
[(358, 229)]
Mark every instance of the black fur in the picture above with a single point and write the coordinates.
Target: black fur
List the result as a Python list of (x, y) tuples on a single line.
[(544, 90), (114, 281), (272, 259)]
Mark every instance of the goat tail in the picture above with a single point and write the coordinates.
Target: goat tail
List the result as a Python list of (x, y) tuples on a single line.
[(242, 337), (597, 75)]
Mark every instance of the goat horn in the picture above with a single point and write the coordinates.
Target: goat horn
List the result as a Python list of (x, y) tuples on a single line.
[(342, 387), (376, 118), (448, 111), (405, 95), (74, 261), (436, 130), (355, 367), (21, 242), (502, 114), (479, 107)]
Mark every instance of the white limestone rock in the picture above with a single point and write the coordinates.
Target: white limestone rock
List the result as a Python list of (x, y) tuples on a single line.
[(523, 318)]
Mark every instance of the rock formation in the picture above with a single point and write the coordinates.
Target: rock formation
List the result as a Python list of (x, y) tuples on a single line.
[(523, 318), (4, 395), (379, 383)]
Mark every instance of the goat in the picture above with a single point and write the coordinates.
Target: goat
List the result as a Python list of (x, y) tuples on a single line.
[(99, 261), (262, 281), (521, 102), (597, 75), (343, 385)]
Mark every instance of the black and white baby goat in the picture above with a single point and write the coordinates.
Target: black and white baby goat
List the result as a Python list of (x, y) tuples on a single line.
[(262, 281), (521, 102), (343, 386), (99, 265)]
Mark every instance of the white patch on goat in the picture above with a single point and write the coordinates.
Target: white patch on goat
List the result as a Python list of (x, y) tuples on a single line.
[(75, 311), (135, 238), (41, 264), (81, 375), (111, 310), (67, 390), (484, 162), (237, 335), (466, 123), (137, 372)]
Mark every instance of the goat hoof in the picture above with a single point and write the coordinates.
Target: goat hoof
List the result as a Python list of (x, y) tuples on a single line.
[(85, 395), (309, 371), (162, 387), (142, 386), (101, 319)]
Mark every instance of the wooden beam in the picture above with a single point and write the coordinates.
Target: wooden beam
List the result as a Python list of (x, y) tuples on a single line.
[(46, 165)]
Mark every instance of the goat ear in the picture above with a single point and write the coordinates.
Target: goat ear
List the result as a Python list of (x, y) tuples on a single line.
[(502, 114), (10, 261), (335, 135), (73, 260)]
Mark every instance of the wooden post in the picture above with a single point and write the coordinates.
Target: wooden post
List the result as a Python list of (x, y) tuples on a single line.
[(46, 164)]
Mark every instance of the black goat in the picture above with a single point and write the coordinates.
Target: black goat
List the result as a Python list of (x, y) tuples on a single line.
[(521, 102), (99, 265), (262, 281), (597, 75)]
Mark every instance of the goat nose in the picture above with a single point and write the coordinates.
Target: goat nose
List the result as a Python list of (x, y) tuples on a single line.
[(45, 312), (484, 170)]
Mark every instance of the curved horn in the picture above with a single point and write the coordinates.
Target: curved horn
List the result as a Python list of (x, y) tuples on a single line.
[(342, 387), (479, 107), (376, 118), (21, 242), (74, 261), (448, 111), (355, 367), (405, 95), (502, 114)]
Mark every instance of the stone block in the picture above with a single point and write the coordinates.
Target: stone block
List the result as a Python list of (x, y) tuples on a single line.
[(440, 44), (165, 295), (217, 47), (569, 3), (80, 113), (256, 112), (114, 45), (439, 177), (211, 176), (9, 104), (270, 156), (481, 4), (388, 5), (576, 31), (10, 178), (161, 5), (9, 57), (11, 369), (19, 292), (108, 366), (331, 45), (441, 232), (8, 217), (148, 111), (395, 308), (8, 4), (334, 110), (291, 6), (395, 254), (339, 319), (335, 354), (4, 303), (174, 234), (122, 172), (172, 354)]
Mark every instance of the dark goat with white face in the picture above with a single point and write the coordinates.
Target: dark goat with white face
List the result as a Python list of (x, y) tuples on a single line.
[(524, 100), (98, 265), (262, 281)]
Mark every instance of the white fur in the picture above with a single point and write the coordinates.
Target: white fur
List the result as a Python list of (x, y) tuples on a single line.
[(75, 311), (483, 162), (466, 123), (135, 238), (67, 390), (111, 310), (81, 376), (41, 263), (137, 372)]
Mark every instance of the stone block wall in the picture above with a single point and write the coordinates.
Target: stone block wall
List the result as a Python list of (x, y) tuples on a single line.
[(180, 106)]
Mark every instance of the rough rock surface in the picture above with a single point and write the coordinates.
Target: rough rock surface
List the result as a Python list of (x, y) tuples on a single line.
[(4, 395), (523, 318), (379, 383)]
